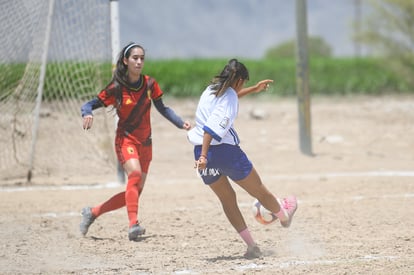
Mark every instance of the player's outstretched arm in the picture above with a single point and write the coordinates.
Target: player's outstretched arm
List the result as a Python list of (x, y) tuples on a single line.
[(169, 114), (260, 86)]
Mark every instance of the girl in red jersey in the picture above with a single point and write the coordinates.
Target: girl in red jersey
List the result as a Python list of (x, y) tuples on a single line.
[(130, 93)]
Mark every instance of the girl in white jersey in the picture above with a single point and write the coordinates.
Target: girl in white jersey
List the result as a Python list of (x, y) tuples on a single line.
[(218, 156)]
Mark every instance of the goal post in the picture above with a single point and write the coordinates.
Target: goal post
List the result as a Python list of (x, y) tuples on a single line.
[(302, 79), (54, 56), (40, 88), (116, 47)]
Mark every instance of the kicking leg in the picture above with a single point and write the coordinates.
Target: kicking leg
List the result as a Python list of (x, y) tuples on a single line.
[(283, 209)]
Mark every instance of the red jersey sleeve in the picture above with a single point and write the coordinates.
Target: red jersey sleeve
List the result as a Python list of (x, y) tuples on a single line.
[(107, 97), (156, 91)]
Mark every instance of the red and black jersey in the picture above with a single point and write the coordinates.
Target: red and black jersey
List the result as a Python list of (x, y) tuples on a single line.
[(134, 107)]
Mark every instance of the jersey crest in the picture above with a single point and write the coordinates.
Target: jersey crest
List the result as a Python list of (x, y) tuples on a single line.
[(224, 122)]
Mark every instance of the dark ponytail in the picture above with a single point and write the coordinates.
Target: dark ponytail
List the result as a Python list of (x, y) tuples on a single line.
[(232, 72)]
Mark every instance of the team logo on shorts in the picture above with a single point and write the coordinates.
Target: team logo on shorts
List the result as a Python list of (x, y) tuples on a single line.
[(209, 172), (130, 150), (224, 122)]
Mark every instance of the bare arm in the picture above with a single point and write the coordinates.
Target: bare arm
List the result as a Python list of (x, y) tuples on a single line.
[(260, 86), (201, 163)]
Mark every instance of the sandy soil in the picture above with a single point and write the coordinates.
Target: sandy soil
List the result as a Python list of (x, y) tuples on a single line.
[(355, 216)]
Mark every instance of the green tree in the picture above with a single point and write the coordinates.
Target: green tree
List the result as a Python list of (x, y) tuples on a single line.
[(317, 47), (388, 30)]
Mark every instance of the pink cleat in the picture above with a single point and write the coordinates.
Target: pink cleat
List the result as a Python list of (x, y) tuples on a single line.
[(289, 206)]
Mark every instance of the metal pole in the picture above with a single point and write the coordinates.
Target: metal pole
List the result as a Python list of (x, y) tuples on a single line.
[(39, 94), (115, 46), (357, 7), (302, 79)]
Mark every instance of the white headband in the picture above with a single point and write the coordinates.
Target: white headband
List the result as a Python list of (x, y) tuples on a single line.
[(129, 47)]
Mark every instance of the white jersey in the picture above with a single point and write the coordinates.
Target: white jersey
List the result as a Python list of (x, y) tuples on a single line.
[(215, 115)]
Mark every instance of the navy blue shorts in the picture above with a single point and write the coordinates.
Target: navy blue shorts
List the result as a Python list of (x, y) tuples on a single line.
[(224, 159)]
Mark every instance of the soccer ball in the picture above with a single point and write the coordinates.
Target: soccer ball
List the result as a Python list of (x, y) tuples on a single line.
[(261, 214)]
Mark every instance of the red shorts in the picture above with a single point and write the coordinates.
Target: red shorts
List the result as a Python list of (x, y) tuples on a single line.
[(127, 149)]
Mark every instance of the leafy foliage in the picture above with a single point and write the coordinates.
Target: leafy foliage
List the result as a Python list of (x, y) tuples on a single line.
[(189, 77), (389, 31), (317, 47)]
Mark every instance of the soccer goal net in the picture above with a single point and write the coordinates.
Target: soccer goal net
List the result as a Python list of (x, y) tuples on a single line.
[(54, 56)]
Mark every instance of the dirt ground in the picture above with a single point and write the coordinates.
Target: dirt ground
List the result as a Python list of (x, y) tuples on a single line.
[(355, 215)]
